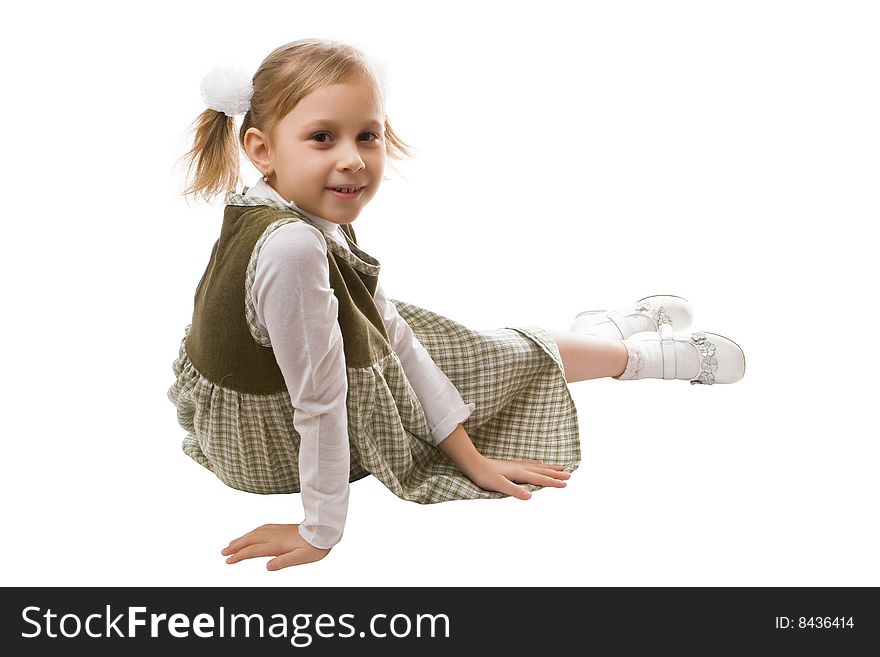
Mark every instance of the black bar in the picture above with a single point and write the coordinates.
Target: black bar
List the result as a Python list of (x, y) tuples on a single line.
[(541, 621)]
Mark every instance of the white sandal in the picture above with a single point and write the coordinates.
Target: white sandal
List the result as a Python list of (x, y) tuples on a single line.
[(661, 309)]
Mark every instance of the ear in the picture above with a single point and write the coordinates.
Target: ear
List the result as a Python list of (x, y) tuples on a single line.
[(257, 148)]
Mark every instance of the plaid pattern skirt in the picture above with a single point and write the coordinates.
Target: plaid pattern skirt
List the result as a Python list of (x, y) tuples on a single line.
[(514, 377)]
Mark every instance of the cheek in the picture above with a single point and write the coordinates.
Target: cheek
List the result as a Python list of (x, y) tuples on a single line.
[(377, 162), (301, 155)]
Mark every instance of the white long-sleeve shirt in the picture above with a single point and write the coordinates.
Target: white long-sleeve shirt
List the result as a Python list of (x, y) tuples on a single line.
[(298, 311)]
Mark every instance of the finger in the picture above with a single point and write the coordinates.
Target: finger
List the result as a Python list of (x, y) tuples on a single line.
[(295, 557), (543, 480), (512, 489), (238, 544), (250, 538), (530, 476), (251, 551), (544, 465), (550, 473)]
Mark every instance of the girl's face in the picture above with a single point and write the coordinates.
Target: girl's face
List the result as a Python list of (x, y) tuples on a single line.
[(332, 138)]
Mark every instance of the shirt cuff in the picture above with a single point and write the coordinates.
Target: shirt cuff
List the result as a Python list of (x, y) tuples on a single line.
[(313, 537), (447, 425)]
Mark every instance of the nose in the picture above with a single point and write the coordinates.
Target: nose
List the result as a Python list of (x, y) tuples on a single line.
[(350, 159)]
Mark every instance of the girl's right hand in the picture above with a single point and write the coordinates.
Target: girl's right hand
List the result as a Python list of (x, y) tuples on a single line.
[(281, 541)]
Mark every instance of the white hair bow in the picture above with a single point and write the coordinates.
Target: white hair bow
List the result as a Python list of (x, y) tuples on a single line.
[(228, 90)]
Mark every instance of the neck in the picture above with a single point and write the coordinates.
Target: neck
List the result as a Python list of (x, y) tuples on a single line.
[(262, 188)]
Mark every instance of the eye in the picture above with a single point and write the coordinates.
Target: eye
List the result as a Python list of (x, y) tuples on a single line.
[(319, 134)]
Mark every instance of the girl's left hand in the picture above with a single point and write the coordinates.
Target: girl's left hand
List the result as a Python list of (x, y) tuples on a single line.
[(280, 541), (502, 476)]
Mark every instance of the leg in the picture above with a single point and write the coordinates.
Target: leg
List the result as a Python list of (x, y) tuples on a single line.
[(589, 356)]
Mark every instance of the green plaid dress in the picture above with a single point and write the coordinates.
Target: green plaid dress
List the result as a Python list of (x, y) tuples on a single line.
[(242, 430)]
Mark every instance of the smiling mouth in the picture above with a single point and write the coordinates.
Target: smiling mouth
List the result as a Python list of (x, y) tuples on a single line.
[(347, 190)]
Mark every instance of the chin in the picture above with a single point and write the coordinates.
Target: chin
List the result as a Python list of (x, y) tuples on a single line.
[(346, 219)]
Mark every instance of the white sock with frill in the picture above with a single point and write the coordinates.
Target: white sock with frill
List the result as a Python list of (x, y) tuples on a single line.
[(608, 329)]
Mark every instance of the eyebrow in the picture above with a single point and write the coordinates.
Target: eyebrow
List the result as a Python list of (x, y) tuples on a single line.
[(330, 122)]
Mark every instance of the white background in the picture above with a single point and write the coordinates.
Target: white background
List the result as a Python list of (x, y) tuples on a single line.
[(569, 156)]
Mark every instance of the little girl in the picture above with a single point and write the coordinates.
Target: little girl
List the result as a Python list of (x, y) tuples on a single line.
[(298, 374)]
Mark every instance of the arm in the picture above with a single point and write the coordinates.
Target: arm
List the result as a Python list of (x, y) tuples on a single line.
[(496, 474), (297, 310), (460, 449), (443, 405)]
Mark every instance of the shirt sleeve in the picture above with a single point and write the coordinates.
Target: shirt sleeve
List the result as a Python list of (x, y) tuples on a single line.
[(297, 310), (441, 401)]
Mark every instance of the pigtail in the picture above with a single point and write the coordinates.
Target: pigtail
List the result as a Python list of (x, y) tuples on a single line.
[(214, 155), (395, 147)]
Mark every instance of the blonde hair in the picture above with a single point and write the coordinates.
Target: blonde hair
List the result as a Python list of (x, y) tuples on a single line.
[(286, 76)]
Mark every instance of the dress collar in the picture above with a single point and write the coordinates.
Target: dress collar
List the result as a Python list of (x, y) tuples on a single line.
[(265, 190)]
